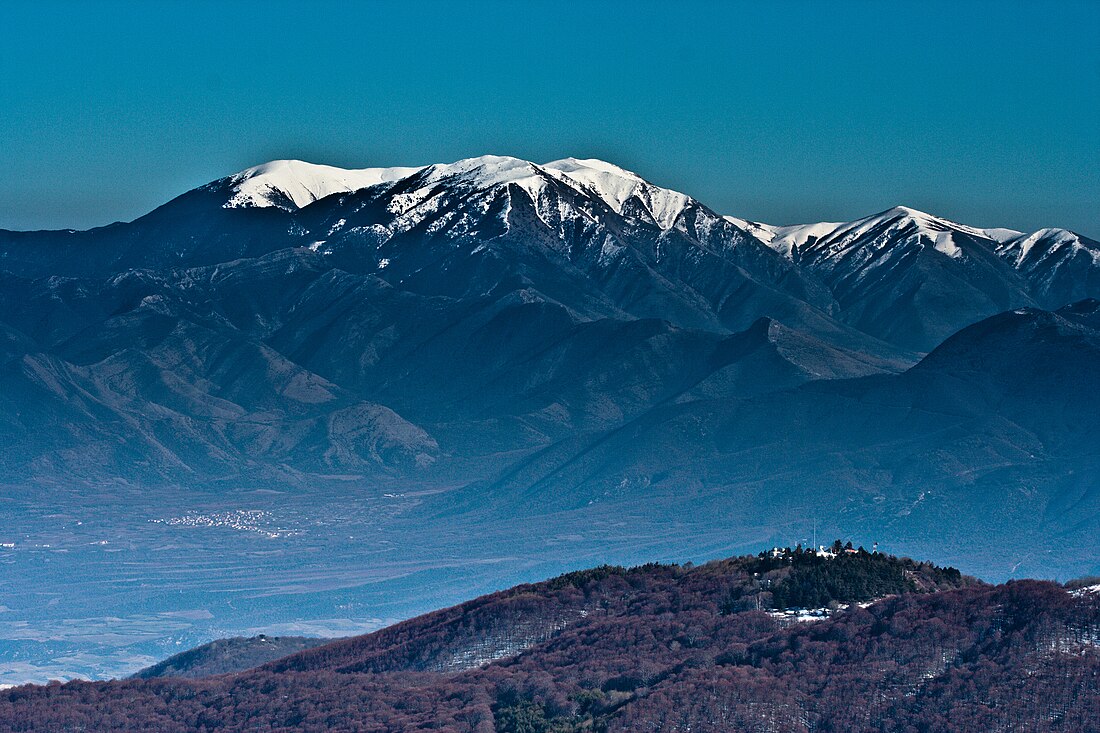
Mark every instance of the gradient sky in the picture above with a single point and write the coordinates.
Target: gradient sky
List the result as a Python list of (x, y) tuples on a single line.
[(985, 112)]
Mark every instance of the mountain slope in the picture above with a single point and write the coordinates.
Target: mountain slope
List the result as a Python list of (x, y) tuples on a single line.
[(911, 278), (447, 316), (990, 437), (1060, 266)]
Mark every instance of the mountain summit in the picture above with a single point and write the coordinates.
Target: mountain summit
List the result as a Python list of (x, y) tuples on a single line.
[(292, 184)]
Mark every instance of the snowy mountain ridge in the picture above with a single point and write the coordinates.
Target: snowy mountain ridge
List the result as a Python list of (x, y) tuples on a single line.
[(887, 273), (295, 184), (900, 222), (786, 239), (1024, 249)]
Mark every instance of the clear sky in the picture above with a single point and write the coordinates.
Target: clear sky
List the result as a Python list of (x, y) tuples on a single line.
[(985, 112)]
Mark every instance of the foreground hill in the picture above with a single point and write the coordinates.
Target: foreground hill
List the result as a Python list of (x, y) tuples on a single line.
[(659, 647), (223, 656)]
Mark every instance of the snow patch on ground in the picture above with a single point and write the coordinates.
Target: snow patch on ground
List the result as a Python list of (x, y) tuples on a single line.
[(803, 615), (944, 243), (1086, 591)]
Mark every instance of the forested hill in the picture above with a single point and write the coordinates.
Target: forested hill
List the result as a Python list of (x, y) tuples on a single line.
[(222, 656), (455, 638), (660, 647), (503, 624)]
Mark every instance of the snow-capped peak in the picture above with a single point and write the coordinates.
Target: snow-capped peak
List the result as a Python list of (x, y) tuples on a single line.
[(293, 184), (916, 226), (615, 186), (939, 224), (475, 179), (920, 227), (1029, 248), (600, 179), (486, 171), (924, 221)]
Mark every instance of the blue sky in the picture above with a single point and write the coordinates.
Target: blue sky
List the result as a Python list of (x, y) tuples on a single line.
[(984, 112)]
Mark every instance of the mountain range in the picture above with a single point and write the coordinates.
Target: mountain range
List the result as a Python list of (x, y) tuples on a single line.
[(494, 315), (338, 285), (551, 347)]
